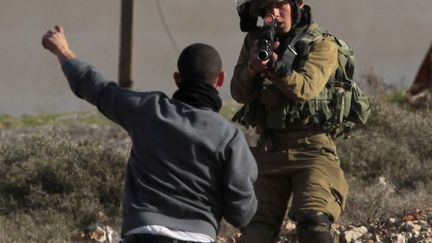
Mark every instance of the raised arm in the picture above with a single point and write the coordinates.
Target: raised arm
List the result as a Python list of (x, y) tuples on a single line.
[(114, 102)]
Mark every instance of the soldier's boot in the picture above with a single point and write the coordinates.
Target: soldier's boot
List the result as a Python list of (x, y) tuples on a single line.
[(316, 228), (258, 233)]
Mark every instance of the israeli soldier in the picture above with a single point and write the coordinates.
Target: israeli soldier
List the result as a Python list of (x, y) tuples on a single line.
[(291, 98)]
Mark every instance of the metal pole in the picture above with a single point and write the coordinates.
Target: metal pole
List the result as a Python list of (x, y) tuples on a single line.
[(126, 44)]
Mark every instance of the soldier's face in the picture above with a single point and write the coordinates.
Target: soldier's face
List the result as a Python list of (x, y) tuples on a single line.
[(282, 12)]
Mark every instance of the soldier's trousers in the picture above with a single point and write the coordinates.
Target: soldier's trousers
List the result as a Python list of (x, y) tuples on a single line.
[(302, 166)]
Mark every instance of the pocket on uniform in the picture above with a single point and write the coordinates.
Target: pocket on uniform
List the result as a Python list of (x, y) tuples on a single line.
[(270, 162), (339, 190), (339, 198), (271, 97), (322, 143)]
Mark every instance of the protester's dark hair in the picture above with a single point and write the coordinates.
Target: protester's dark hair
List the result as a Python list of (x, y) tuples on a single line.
[(199, 62)]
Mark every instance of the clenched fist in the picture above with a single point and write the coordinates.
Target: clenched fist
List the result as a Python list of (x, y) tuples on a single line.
[(55, 41)]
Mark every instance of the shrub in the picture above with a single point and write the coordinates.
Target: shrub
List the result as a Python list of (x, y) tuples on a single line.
[(395, 144), (74, 179)]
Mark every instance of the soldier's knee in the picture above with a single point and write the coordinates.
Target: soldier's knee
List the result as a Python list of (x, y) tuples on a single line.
[(258, 233), (316, 227)]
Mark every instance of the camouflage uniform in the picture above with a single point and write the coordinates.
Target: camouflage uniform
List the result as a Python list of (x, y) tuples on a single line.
[(295, 160)]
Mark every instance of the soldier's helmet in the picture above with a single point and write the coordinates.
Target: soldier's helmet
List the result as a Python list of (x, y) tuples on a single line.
[(248, 17), (250, 10)]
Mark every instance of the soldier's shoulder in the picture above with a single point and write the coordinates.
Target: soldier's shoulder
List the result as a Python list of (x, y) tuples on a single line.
[(318, 35)]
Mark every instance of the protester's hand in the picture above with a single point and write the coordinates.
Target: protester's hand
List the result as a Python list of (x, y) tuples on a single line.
[(55, 41)]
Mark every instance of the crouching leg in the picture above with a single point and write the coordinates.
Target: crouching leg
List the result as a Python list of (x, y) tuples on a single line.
[(314, 228), (258, 233)]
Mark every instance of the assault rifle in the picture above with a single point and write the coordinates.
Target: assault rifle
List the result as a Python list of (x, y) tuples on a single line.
[(266, 39)]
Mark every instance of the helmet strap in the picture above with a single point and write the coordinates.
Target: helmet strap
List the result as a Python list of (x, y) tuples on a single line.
[(296, 13)]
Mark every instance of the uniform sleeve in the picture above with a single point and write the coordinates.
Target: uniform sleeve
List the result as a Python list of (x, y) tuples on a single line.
[(309, 79), (240, 173), (243, 85), (116, 103)]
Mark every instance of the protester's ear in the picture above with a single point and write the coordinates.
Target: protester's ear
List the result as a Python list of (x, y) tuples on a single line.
[(220, 79), (177, 78)]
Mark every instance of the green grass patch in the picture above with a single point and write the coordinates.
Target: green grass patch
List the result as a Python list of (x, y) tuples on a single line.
[(397, 96), (87, 117)]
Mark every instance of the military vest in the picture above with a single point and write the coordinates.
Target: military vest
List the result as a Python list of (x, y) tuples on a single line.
[(337, 108)]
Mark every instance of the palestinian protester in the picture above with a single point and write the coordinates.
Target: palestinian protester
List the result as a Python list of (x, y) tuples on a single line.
[(188, 166)]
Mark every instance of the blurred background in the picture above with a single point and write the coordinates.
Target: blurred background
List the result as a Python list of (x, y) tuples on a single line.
[(390, 37)]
